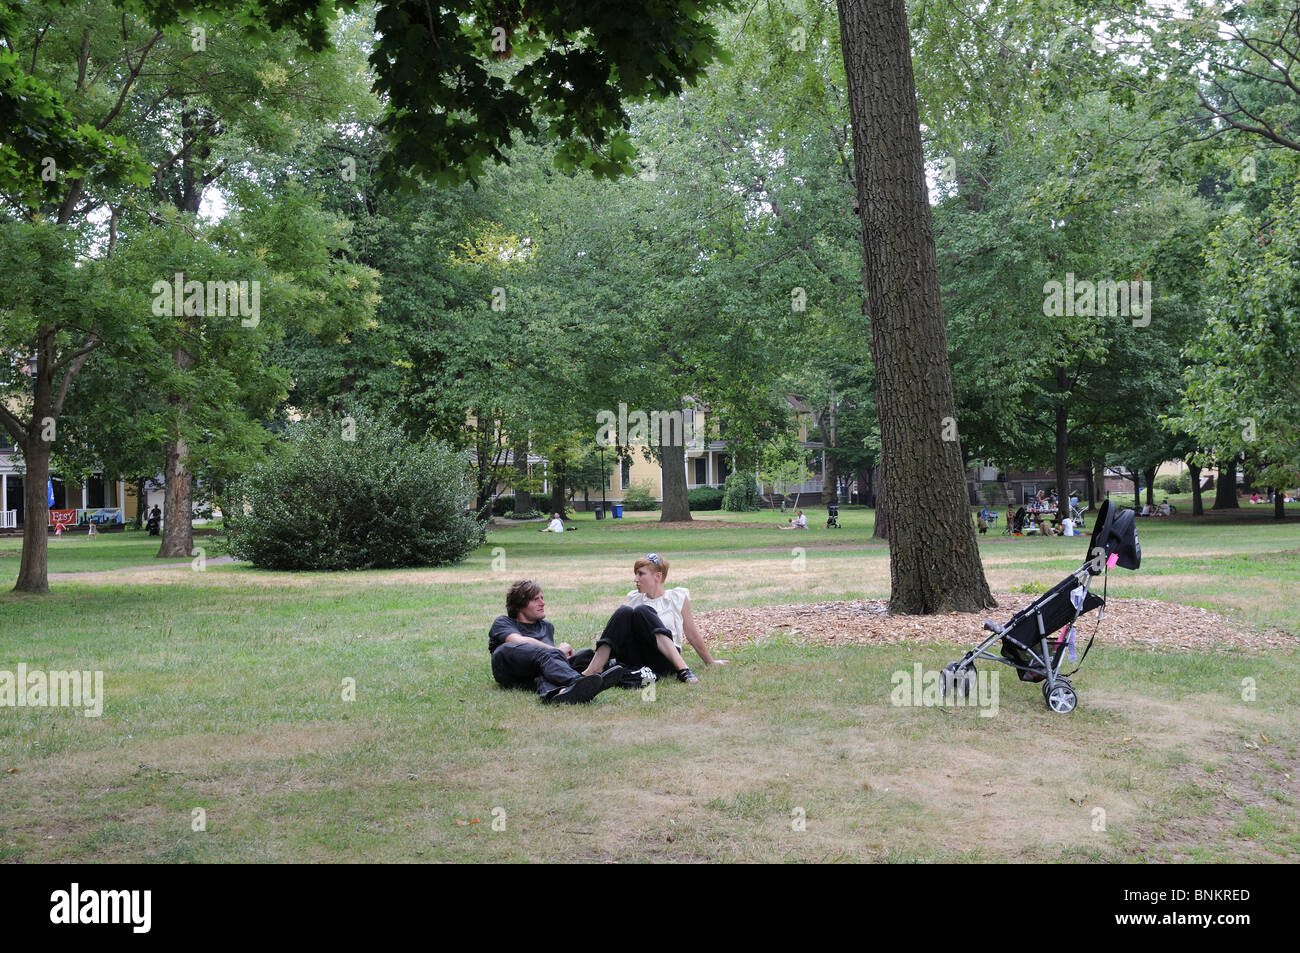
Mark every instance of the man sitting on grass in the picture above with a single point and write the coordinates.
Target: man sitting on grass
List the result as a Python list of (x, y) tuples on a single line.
[(556, 525), (524, 653)]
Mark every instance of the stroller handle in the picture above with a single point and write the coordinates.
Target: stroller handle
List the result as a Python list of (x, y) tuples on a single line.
[(992, 626)]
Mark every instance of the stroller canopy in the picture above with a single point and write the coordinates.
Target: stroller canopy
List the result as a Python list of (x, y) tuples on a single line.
[(1115, 533)]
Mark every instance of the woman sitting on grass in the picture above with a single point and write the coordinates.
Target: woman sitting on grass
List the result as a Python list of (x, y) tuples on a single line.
[(647, 631)]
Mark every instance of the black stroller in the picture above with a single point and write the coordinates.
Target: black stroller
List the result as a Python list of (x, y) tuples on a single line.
[(1018, 522), (1027, 638), (832, 515)]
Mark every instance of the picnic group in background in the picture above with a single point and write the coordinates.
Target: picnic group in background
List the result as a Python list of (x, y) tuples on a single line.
[(641, 642), (1042, 515)]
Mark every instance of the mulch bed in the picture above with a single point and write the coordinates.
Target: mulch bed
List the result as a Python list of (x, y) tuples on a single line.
[(1147, 622)]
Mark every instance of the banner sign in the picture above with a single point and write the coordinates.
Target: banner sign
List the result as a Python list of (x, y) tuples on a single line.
[(66, 517), (102, 515)]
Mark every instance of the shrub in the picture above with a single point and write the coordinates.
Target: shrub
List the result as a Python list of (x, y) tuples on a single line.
[(639, 496), (1168, 484), (530, 515), (374, 502), (704, 498), (739, 493), (503, 505)]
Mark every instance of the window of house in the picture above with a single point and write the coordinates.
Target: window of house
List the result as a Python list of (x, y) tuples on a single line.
[(701, 471)]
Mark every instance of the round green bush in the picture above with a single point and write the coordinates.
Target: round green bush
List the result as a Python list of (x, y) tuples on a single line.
[(1169, 484), (739, 493), (372, 502)]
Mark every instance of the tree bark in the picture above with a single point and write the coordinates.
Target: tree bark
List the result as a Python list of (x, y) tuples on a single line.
[(523, 499), (1136, 477), (1279, 509), (1225, 486), (676, 504), (934, 562), (882, 512), (178, 528), (178, 494), (139, 502), (1198, 506), (1062, 435), (1149, 477), (830, 474), (1099, 484), (33, 574), (558, 488)]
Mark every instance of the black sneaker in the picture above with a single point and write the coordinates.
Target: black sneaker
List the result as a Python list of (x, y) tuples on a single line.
[(583, 690), (636, 677), (611, 676)]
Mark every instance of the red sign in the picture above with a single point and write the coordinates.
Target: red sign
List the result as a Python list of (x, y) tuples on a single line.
[(66, 517)]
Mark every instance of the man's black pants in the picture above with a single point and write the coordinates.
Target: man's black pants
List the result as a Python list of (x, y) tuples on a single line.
[(545, 670)]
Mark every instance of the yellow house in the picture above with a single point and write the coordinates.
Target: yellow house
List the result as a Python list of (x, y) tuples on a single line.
[(708, 461), (97, 493)]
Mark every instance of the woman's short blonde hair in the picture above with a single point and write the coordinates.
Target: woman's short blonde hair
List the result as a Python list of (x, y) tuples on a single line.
[(652, 559)]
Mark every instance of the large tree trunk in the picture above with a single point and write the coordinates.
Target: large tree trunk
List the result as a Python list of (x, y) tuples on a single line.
[(1279, 508), (934, 561), (1136, 477), (1198, 506), (559, 490), (33, 574), (1099, 484), (178, 508), (882, 512), (140, 496), (1225, 486), (523, 499), (672, 461), (1062, 435), (178, 515), (830, 474), (1149, 477)]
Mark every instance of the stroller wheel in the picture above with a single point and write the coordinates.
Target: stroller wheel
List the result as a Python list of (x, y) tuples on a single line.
[(1060, 697), (960, 681)]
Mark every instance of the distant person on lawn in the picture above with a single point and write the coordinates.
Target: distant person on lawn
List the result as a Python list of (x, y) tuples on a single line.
[(524, 653), (556, 525), (647, 631)]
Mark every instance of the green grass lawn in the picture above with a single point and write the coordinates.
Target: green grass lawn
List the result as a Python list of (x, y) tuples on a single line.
[(80, 553), (225, 692)]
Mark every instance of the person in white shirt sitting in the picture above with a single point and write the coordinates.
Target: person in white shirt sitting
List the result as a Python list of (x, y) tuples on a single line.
[(1164, 508), (647, 630), (798, 522), (556, 525)]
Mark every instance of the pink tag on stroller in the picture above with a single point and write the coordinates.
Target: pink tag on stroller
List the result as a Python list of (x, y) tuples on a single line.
[(1111, 560)]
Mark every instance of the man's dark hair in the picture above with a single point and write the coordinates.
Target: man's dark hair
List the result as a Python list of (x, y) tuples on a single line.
[(519, 595)]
